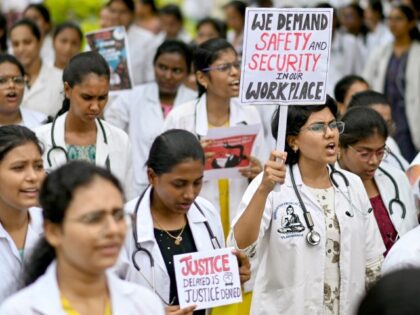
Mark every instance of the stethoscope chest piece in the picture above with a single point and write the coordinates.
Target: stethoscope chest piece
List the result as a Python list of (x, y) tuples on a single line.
[(313, 238)]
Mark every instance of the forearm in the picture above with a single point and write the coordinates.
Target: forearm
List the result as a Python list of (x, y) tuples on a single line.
[(247, 227)]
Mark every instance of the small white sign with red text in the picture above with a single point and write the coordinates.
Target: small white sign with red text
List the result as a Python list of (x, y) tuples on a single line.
[(208, 278)]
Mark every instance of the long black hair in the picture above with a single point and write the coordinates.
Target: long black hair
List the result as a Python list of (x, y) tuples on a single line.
[(175, 46), (297, 116), (362, 123), (410, 14), (78, 68), (33, 28), (55, 196), (206, 53), (68, 25), (171, 148), (12, 136), (13, 60)]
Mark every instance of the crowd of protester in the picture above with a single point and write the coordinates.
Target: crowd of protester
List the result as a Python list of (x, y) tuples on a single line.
[(98, 192)]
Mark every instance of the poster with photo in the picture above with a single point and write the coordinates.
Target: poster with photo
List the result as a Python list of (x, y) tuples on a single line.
[(112, 44), (228, 150)]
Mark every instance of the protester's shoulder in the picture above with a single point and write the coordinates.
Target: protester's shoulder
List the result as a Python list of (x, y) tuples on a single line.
[(186, 109), (118, 135), (20, 302)]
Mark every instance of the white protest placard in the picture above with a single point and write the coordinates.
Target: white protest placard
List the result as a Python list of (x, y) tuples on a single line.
[(229, 149), (208, 279), (285, 56)]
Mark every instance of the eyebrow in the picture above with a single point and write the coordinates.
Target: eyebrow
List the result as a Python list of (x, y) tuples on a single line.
[(370, 149)]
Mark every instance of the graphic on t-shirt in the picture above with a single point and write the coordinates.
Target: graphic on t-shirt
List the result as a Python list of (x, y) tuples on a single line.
[(290, 222)]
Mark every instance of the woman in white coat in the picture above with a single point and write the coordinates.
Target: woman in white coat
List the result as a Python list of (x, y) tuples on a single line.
[(43, 90), (393, 70), (12, 87), (362, 149), (317, 245), (21, 175), (217, 72), (141, 111), (84, 230), (78, 132), (170, 218), (379, 102)]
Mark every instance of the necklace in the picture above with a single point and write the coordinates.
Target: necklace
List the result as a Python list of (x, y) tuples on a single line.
[(178, 238)]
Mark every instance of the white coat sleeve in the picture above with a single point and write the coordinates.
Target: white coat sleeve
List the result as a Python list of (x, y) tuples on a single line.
[(118, 112), (252, 249), (130, 189), (374, 246)]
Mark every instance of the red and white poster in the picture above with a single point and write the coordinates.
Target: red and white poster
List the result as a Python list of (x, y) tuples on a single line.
[(112, 44), (285, 56), (228, 151), (208, 279)]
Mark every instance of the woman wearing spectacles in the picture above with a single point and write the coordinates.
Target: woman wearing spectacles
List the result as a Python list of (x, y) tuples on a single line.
[(362, 151), (218, 73), (320, 261), (12, 87), (84, 230), (21, 175)]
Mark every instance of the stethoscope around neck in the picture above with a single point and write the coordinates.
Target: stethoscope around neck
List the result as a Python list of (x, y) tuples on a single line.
[(58, 148), (313, 237), (152, 284)]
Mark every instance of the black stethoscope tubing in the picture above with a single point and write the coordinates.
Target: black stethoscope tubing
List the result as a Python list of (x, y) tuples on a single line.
[(214, 241), (396, 200), (313, 237), (64, 151)]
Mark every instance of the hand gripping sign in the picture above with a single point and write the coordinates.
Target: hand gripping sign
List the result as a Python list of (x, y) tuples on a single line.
[(208, 279), (285, 59)]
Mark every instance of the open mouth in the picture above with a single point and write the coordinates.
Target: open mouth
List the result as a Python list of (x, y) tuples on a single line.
[(234, 84), (11, 96), (331, 148)]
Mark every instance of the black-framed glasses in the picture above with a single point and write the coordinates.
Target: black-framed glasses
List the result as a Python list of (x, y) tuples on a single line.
[(322, 127), (225, 67)]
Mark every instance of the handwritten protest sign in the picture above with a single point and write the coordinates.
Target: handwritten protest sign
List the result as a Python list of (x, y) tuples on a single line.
[(229, 149), (285, 56), (112, 44), (208, 279)]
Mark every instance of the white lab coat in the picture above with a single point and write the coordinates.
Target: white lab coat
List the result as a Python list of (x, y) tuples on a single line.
[(118, 150), (142, 46), (46, 93), (404, 254), (394, 158), (43, 297), (192, 116), (375, 73), (138, 112), (346, 58), (290, 276), (31, 118), (11, 261), (146, 237), (388, 192)]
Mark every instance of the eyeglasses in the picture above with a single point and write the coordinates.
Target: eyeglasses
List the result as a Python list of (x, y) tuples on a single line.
[(322, 128), (366, 155), (100, 218), (225, 67), (18, 80)]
